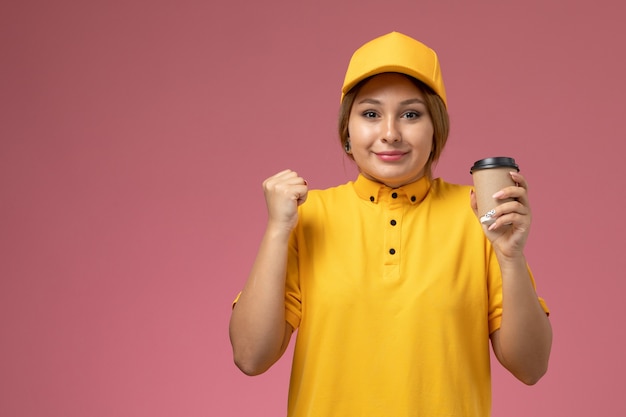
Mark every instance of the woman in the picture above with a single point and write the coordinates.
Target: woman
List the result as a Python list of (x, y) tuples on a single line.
[(394, 286)]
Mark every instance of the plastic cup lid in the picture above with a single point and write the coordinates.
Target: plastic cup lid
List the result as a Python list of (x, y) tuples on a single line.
[(495, 162)]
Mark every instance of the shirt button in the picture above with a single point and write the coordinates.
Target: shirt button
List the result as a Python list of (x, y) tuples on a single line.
[(372, 198), (392, 251), (394, 195), (413, 198), (393, 222)]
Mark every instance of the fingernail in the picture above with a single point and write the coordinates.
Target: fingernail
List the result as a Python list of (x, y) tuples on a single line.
[(498, 194)]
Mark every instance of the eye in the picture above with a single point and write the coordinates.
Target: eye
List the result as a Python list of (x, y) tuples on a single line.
[(412, 115), (370, 114)]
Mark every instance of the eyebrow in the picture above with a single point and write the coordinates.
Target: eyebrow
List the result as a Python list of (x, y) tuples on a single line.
[(404, 102)]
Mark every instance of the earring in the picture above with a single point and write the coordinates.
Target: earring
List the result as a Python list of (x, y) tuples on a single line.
[(347, 147)]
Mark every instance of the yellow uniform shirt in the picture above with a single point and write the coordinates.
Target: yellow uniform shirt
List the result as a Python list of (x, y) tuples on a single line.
[(394, 293)]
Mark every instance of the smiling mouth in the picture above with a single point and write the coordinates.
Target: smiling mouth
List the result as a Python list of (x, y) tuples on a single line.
[(390, 156)]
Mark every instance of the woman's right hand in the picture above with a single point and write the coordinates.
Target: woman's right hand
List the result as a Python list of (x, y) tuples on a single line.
[(284, 192)]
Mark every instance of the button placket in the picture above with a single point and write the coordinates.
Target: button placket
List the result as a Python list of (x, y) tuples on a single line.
[(393, 235)]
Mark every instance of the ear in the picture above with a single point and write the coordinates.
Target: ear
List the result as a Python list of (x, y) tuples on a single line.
[(347, 147)]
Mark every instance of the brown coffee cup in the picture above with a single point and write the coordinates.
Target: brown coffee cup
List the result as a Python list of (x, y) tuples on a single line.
[(490, 175)]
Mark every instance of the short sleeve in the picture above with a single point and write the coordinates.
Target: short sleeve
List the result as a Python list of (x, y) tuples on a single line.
[(293, 298)]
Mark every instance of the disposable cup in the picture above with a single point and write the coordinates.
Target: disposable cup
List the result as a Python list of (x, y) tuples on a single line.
[(490, 175)]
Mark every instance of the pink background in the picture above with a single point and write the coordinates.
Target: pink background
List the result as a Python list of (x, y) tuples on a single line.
[(134, 137)]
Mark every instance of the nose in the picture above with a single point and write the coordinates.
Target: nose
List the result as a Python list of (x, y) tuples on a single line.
[(391, 133)]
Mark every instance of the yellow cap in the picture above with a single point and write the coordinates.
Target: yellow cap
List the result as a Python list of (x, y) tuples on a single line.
[(395, 52)]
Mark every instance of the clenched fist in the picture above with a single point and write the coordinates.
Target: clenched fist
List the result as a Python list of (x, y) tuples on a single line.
[(284, 192)]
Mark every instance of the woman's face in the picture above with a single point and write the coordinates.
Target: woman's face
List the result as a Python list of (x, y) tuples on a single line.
[(390, 130)]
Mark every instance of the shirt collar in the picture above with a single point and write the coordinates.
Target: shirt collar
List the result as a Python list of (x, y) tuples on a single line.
[(372, 191)]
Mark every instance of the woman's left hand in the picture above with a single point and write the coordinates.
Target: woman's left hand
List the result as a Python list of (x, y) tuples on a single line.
[(508, 234)]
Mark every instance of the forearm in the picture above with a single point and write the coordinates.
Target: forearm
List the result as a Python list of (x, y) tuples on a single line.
[(257, 327), (524, 339)]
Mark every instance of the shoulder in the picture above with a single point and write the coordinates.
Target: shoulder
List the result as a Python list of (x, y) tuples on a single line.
[(330, 205), (339, 193), (442, 190), (450, 206), (449, 199)]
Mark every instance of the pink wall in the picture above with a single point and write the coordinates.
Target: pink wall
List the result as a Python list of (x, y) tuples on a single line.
[(134, 136)]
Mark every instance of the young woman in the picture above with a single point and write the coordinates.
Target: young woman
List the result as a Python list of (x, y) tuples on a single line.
[(394, 286)]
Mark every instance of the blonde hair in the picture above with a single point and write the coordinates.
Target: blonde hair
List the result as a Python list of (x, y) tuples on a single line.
[(436, 109)]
